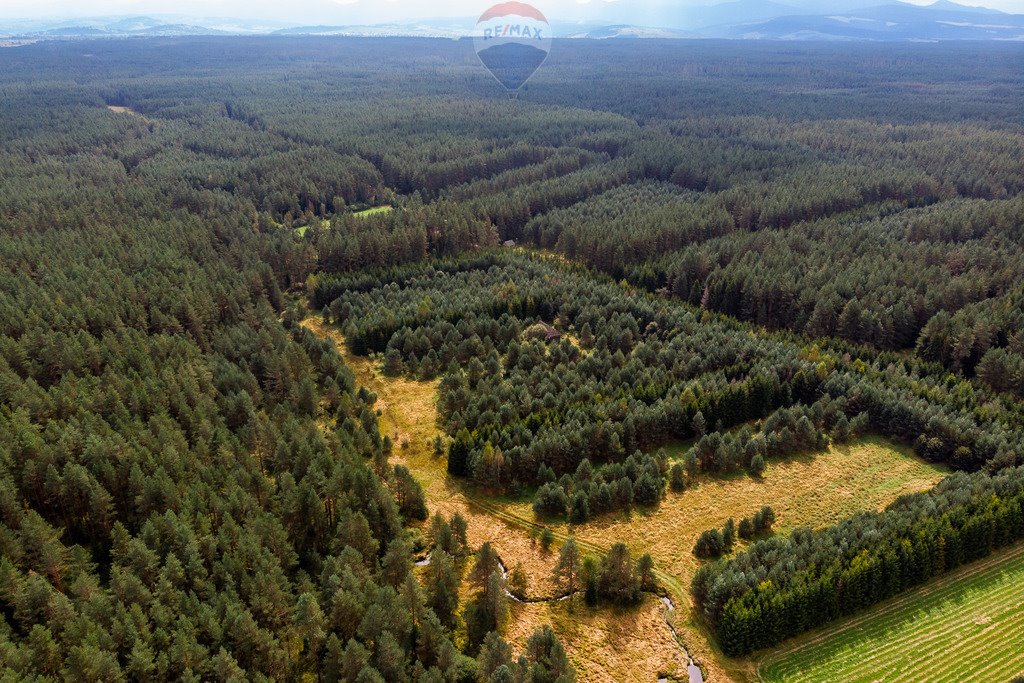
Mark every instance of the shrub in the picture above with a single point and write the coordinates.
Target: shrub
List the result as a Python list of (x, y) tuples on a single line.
[(550, 501)]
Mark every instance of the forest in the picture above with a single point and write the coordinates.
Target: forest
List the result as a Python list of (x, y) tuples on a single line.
[(753, 250)]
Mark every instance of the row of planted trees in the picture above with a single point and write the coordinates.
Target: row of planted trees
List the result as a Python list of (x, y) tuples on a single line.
[(781, 587)]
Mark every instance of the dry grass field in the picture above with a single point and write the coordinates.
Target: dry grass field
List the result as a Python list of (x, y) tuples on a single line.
[(374, 211), (808, 490), (409, 417), (814, 490), (811, 490), (607, 645), (125, 110)]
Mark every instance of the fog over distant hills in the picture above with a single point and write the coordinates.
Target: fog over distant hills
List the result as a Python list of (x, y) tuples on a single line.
[(836, 20)]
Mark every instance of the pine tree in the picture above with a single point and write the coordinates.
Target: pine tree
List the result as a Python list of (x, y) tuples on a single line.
[(579, 510), (494, 654), (458, 454), (757, 465), (678, 477), (566, 572), (485, 563), (645, 571), (443, 587), (393, 365), (700, 427), (547, 537), (728, 535), (617, 579)]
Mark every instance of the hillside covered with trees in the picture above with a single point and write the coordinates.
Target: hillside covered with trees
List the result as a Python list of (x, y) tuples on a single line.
[(751, 248)]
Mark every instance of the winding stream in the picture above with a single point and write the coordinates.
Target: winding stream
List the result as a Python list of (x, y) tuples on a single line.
[(696, 675), (504, 576), (694, 670)]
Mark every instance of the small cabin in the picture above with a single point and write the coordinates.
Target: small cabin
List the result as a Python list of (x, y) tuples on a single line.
[(550, 333), (542, 332)]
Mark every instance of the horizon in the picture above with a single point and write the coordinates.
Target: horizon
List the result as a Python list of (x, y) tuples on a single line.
[(651, 13)]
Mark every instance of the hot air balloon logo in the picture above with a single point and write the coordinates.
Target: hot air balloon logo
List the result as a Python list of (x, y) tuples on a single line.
[(512, 39)]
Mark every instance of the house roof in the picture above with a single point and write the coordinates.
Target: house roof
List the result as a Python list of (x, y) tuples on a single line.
[(550, 331)]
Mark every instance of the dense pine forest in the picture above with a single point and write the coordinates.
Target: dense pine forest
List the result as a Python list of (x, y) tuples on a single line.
[(752, 249)]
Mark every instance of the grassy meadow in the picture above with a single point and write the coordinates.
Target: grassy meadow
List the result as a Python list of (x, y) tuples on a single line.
[(966, 625), (812, 489)]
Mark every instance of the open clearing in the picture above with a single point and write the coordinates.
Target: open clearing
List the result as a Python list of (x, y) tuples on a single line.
[(964, 626), (811, 490), (807, 490), (607, 645), (409, 417), (374, 211), (302, 230)]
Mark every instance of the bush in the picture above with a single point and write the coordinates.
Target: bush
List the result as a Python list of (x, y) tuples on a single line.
[(580, 510), (677, 478), (709, 545), (547, 537), (550, 501), (757, 466)]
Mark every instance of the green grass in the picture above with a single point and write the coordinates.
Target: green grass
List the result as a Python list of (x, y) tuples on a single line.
[(677, 450), (967, 625), (375, 210)]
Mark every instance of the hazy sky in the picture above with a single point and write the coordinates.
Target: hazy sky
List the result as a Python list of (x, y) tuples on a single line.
[(640, 12)]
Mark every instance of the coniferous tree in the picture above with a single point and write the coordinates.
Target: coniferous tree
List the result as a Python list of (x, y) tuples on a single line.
[(567, 570)]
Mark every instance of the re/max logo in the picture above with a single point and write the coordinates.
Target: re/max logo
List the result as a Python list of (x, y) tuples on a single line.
[(513, 30)]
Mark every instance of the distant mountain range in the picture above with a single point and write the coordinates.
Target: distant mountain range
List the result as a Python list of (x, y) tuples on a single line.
[(840, 20), (943, 20)]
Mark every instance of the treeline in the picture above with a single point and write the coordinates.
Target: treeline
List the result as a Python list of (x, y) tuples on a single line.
[(646, 219), (639, 480), (348, 242), (523, 412), (943, 280), (786, 431), (191, 484), (872, 280), (714, 543), (554, 380), (781, 587), (985, 337), (510, 211)]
